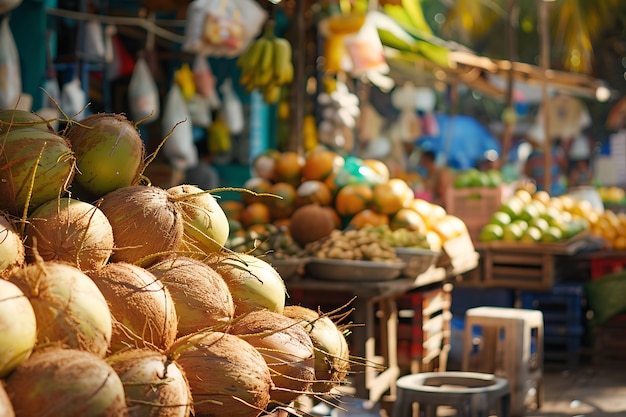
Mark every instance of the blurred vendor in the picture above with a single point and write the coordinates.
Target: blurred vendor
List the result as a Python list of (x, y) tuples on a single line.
[(535, 164), (436, 178)]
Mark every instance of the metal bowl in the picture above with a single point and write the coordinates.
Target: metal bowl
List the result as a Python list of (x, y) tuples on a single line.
[(353, 270)]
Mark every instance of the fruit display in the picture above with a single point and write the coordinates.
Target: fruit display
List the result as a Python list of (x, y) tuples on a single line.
[(352, 245), (612, 195), (266, 65), (537, 217), (118, 283), (476, 178)]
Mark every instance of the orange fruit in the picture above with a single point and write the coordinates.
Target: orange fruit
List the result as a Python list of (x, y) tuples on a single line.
[(319, 164), (391, 196), (408, 219), (286, 204), (331, 184), (313, 191), (264, 164), (232, 209), (353, 198), (288, 168), (258, 185), (369, 217), (255, 213), (378, 167)]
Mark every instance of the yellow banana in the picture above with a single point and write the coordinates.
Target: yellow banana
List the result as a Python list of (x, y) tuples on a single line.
[(250, 59), (271, 93), (265, 70), (282, 60)]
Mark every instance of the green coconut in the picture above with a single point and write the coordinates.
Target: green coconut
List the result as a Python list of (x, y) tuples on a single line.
[(109, 153), (35, 166), (71, 231), (18, 327), (58, 382), (206, 227), (69, 307), (11, 119)]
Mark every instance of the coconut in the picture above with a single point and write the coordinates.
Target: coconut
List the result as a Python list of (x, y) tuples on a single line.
[(253, 283), (143, 310), (71, 231), (146, 223), (109, 152), (155, 386), (12, 119), (57, 382), (286, 348), (309, 223), (332, 357), (18, 327), (205, 224), (69, 307), (6, 408), (226, 374), (11, 247), (35, 166), (201, 296)]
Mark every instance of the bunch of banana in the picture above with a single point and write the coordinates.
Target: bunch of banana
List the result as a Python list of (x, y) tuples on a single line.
[(266, 65)]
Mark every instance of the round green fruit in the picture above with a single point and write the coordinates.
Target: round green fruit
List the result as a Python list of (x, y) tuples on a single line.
[(491, 232)]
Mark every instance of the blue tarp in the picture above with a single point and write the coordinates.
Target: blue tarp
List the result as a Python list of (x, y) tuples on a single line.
[(462, 141)]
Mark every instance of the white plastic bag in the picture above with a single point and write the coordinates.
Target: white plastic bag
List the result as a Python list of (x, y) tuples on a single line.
[(93, 46), (143, 93), (200, 111), (233, 109), (73, 99), (222, 27), (10, 77), (204, 80), (179, 148)]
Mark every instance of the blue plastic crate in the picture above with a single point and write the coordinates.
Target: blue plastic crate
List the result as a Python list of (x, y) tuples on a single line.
[(464, 298), (564, 305)]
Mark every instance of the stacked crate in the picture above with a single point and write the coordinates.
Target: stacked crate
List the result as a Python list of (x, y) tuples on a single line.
[(424, 329), (564, 309)]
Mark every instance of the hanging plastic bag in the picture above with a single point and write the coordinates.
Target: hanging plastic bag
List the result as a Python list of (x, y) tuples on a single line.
[(73, 99), (199, 111), (179, 148), (143, 93), (205, 81), (93, 46), (222, 27), (10, 78), (366, 49), (233, 110), (122, 63)]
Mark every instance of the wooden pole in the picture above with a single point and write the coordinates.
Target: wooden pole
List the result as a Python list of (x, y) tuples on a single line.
[(545, 66), (295, 142), (509, 124)]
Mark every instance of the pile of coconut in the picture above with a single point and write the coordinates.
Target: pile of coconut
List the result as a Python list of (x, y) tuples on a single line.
[(118, 298)]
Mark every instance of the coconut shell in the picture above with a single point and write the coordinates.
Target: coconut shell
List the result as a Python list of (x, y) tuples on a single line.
[(253, 283), (200, 294), (286, 348), (69, 307), (66, 383), (332, 357), (155, 386), (147, 225), (6, 408), (142, 308), (18, 327), (12, 249), (34, 160), (309, 223), (71, 231), (12, 119), (227, 375), (109, 152)]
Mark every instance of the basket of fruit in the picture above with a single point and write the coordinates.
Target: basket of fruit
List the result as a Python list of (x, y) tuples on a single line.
[(352, 255)]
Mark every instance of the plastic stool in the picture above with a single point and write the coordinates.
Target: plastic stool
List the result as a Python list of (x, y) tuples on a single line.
[(472, 394), (507, 342)]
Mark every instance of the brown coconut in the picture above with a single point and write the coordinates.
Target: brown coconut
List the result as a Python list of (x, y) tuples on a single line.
[(71, 231), (58, 382), (142, 308), (332, 356), (309, 223), (286, 348), (227, 375), (155, 386), (201, 296), (146, 224)]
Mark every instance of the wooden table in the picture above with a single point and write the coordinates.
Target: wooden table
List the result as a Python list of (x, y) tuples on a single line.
[(371, 383)]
